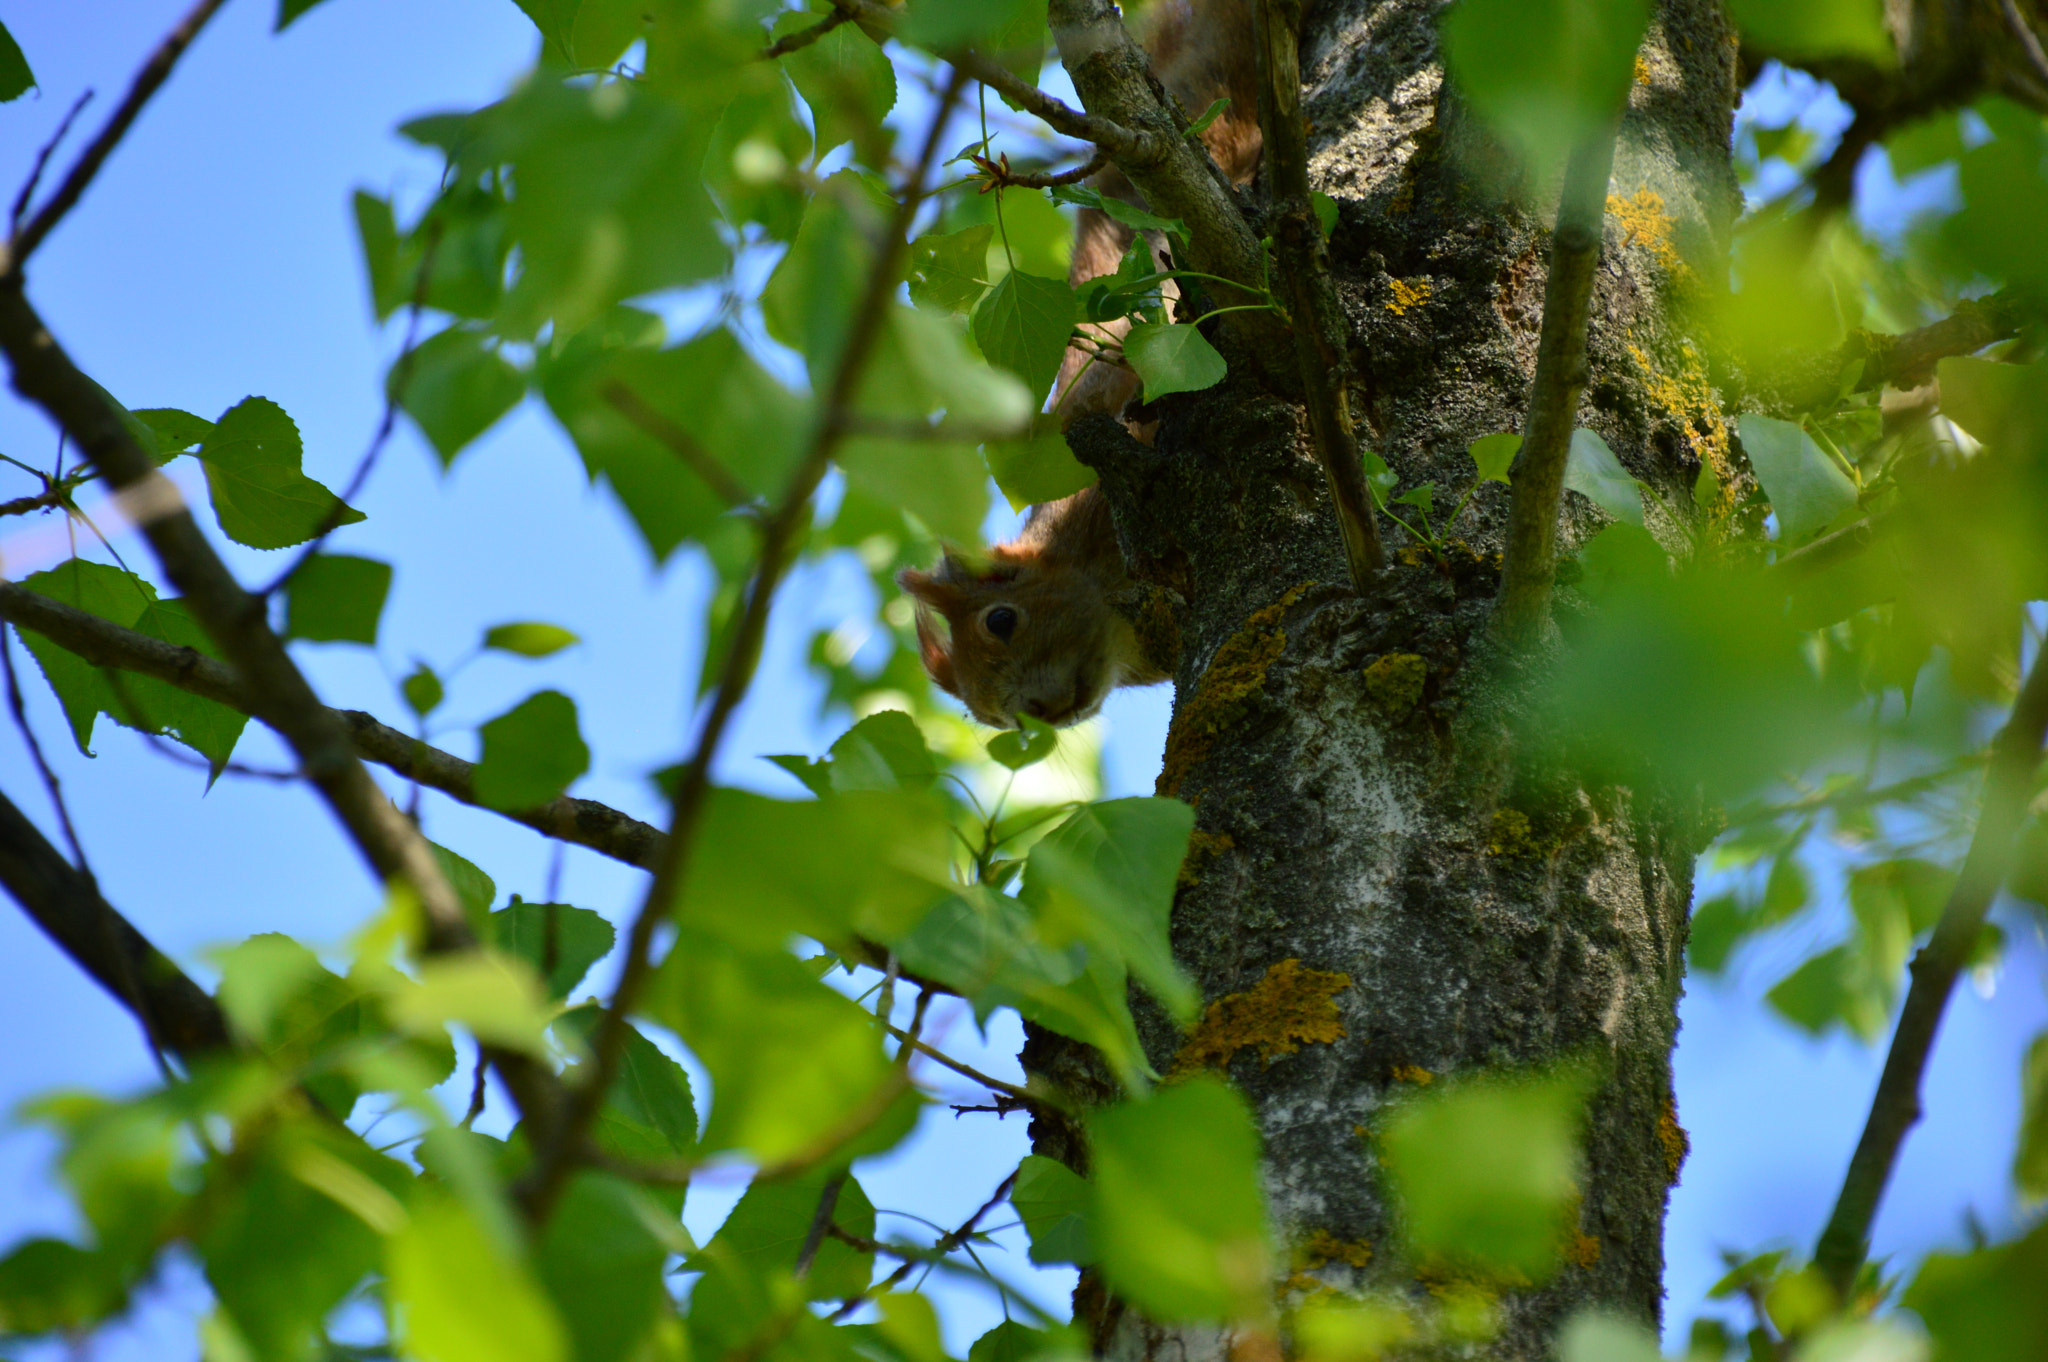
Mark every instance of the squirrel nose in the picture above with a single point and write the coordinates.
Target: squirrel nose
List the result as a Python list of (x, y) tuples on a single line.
[(1037, 709)]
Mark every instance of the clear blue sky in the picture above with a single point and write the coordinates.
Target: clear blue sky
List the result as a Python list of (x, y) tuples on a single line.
[(215, 259)]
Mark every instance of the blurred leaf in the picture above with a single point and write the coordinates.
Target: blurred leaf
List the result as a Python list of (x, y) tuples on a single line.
[(1026, 745), (1593, 1337), (751, 162), (1493, 455), (2030, 1164), (1487, 1169), (575, 938), (844, 77), (768, 1227), (47, 1285), (472, 886), (811, 298), (884, 751), (336, 598), (2005, 195), (1808, 490), (939, 26), (1815, 28), (260, 495), (1172, 359), (602, 1264), (942, 482), (1180, 1217), (1591, 470), (461, 1296), (422, 690), (176, 431), (496, 996), (1129, 214), (1023, 323), (457, 386), (864, 863), (1054, 1202), (529, 638), (790, 1059), (532, 753), (1986, 1306), (649, 1112), (1544, 73), (1014, 1342), (15, 77), (1924, 144), (948, 270), (1038, 468)]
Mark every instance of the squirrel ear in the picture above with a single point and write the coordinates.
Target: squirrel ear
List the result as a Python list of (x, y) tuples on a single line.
[(938, 659), (938, 589)]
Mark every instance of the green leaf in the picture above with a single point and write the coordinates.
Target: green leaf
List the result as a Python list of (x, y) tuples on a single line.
[(260, 496), (1172, 359), (15, 77), (1493, 455), (930, 351), (602, 1264), (289, 10), (768, 1227), (940, 26), (498, 997), (1106, 876), (1129, 214), (789, 1057), (884, 751), (649, 1112), (1023, 323), (47, 1285), (811, 298), (1487, 1169), (2030, 1164), (476, 889), (1024, 746), (1040, 467), (456, 386), (1054, 1202), (1808, 490), (1544, 73), (461, 1296), (949, 270), (844, 76), (336, 598), (1014, 1342), (1925, 144), (1816, 28), (942, 482), (298, 1221), (1180, 1217), (1591, 470), (377, 233), (529, 638), (532, 753), (1594, 1337), (811, 867), (1325, 210), (560, 942), (1986, 1306), (176, 431), (422, 690), (1378, 477)]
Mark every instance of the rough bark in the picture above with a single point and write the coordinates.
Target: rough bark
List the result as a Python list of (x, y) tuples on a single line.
[(1367, 802)]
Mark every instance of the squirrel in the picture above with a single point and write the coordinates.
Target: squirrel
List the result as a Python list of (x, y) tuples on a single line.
[(1035, 629)]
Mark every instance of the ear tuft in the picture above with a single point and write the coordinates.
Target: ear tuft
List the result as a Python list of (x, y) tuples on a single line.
[(934, 589)]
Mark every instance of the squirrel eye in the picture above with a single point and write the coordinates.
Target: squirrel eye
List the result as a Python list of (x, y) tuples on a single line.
[(1001, 621)]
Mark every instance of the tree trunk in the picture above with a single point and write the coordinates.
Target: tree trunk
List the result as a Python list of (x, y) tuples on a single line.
[(1366, 804)]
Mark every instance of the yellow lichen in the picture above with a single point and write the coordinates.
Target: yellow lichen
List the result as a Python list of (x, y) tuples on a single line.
[(1224, 694), (1288, 1008), (1412, 555), (1323, 1247), (1395, 681), (1407, 294), (1688, 394), (1412, 1073), (1643, 220), (1203, 847), (1510, 835), (1643, 72), (1581, 1248), (1672, 1136)]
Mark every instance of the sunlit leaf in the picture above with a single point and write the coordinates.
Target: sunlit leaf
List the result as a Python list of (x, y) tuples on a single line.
[(844, 77), (1022, 324), (461, 1296), (1172, 358), (1808, 490), (1493, 455), (262, 498), (1027, 745), (601, 1264), (529, 638), (948, 269), (1816, 28)]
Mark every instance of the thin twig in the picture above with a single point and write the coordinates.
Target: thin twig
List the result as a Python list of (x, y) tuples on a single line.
[(22, 243), (953, 1239), (584, 822), (35, 174), (680, 442), (1529, 566), (2030, 43), (804, 37), (1321, 334), (821, 1220), (779, 536), (1000, 176), (49, 499), (1035, 1101), (2015, 753), (51, 785)]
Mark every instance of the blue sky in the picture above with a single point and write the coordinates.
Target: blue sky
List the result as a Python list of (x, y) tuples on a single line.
[(215, 259)]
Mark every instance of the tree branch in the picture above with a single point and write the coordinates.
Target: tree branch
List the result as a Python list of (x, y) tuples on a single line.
[(1529, 566), (781, 534), (2015, 754), (804, 37), (584, 822), (175, 1013), (1322, 337), (681, 443), (22, 244), (1908, 360)]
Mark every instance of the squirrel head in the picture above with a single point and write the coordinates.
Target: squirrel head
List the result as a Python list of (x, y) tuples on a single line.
[(1020, 637)]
